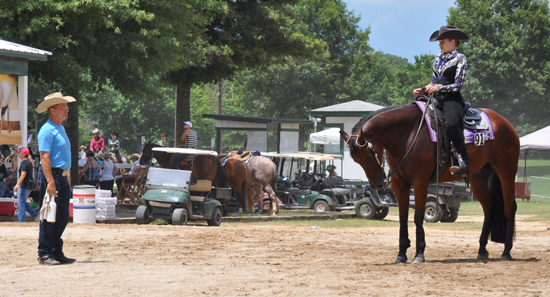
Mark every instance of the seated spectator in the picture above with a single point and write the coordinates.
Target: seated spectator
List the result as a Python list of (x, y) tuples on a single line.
[(133, 171)]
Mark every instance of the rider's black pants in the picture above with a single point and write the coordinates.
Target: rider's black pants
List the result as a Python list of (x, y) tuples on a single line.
[(454, 119)]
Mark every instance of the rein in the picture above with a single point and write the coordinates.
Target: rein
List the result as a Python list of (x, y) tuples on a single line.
[(430, 99)]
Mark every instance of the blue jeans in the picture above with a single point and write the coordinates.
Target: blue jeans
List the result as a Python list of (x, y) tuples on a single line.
[(23, 194), (49, 237)]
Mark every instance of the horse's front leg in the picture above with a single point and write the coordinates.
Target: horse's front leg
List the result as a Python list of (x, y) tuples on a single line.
[(401, 190), (420, 197)]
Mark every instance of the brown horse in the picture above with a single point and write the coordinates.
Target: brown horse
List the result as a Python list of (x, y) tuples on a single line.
[(263, 172), (238, 175), (492, 170), (206, 167)]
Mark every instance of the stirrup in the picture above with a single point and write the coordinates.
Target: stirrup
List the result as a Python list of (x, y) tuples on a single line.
[(459, 170)]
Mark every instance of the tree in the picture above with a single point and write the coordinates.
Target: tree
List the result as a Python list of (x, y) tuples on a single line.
[(508, 57), (240, 34), (99, 42), (291, 86)]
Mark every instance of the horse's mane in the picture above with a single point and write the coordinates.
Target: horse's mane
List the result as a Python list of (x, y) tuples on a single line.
[(364, 119)]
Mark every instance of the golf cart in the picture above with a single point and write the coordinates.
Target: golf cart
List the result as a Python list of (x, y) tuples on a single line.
[(178, 196), (310, 189)]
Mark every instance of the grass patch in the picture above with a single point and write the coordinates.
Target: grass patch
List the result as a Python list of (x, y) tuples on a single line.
[(159, 221), (538, 208)]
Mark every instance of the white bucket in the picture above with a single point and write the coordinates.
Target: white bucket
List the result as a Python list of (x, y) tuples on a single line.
[(84, 204)]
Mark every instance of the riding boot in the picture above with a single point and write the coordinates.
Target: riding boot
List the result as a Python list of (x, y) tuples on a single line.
[(460, 152), (461, 169)]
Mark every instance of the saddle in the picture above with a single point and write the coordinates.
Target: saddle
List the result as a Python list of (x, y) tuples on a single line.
[(246, 157), (477, 129), (187, 161)]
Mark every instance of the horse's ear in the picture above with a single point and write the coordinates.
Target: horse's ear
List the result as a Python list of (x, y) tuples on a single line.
[(344, 136)]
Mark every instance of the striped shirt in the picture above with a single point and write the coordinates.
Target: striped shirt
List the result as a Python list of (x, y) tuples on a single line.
[(191, 140)]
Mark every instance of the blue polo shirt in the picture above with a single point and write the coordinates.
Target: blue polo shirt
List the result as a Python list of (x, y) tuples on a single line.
[(53, 139)]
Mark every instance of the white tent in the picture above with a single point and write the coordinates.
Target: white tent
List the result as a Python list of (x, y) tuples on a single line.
[(536, 141), (328, 136)]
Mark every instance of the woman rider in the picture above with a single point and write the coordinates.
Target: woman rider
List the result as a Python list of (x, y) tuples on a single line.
[(449, 70)]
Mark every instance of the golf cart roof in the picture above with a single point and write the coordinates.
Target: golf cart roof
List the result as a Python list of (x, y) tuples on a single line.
[(176, 150), (314, 156)]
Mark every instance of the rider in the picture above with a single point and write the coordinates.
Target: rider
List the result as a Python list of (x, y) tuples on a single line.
[(449, 71), (189, 139), (114, 146), (97, 143)]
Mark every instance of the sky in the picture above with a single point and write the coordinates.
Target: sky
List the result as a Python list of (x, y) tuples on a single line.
[(402, 27)]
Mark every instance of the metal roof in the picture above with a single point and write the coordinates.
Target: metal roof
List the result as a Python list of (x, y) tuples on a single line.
[(11, 49), (352, 106), (255, 119)]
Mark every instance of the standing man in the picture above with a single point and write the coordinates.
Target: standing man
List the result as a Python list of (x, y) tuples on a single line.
[(54, 177)]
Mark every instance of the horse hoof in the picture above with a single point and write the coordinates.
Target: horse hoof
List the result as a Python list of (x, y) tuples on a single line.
[(418, 259), (401, 259), (483, 256), (506, 257)]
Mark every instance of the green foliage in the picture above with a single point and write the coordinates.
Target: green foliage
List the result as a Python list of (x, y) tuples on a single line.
[(131, 117), (291, 87), (508, 57)]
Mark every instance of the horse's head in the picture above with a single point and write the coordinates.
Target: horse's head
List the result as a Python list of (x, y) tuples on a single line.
[(146, 153), (368, 155)]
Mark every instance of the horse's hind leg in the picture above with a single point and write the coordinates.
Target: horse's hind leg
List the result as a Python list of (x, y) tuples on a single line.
[(274, 209), (479, 185)]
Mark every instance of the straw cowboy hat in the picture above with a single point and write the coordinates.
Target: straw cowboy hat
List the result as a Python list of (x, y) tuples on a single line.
[(450, 32), (96, 130), (53, 99)]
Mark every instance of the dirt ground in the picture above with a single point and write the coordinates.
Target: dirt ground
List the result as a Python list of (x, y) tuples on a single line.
[(253, 260)]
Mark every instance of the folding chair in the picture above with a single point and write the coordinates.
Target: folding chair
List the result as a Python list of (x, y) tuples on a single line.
[(134, 190)]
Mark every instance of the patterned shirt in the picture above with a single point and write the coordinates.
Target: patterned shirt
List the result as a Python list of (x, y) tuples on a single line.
[(444, 61)]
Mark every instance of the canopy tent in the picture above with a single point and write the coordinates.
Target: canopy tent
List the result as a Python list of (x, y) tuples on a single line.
[(536, 141), (330, 138)]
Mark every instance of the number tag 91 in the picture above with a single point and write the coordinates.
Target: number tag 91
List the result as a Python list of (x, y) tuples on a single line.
[(479, 139)]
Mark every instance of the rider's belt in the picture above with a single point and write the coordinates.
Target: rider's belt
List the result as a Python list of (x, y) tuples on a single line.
[(60, 171)]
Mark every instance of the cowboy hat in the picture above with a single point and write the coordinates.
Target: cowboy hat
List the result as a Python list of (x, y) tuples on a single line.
[(53, 99), (96, 130), (82, 147), (114, 133), (450, 32), (163, 134)]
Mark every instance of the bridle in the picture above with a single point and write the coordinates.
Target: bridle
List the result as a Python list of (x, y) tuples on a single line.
[(356, 136), (371, 147)]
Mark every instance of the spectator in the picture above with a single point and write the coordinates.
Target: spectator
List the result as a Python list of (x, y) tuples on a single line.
[(107, 172), (25, 185), (163, 142), (91, 170), (133, 171), (331, 171)]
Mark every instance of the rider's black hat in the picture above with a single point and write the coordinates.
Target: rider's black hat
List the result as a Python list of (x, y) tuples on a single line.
[(450, 32)]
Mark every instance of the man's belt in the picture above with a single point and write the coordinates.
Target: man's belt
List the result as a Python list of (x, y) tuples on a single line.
[(63, 172)]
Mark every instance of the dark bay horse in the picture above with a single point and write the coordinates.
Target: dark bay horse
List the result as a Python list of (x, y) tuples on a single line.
[(206, 166), (238, 175), (492, 170)]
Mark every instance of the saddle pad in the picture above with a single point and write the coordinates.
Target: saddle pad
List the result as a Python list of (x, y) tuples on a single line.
[(469, 134)]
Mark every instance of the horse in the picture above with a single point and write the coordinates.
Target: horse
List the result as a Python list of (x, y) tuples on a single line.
[(263, 172), (208, 167), (492, 169), (238, 175)]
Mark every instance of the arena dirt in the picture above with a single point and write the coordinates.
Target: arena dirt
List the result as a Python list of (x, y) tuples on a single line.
[(252, 260)]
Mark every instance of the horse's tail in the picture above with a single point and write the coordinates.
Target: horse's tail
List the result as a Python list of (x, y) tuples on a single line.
[(248, 189), (499, 222), (220, 174)]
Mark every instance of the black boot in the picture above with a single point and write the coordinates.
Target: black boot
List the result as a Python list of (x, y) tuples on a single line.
[(460, 169)]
